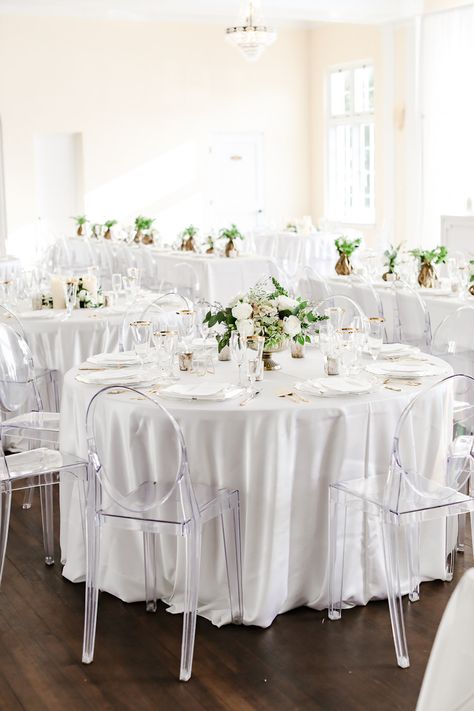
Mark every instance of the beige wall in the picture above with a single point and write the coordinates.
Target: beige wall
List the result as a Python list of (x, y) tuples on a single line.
[(436, 5), (339, 44), (146, 97)]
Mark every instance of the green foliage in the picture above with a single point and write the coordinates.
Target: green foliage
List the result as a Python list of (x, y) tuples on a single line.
[(80, 220), (391, 256), (110, 223), (189, 232), (431, 256), (347, 246), (143, 223), (230, 233)]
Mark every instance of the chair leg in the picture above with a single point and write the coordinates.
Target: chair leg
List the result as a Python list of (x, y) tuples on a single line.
[(28, 497), (149, 550), (193, 562), (392, 571), (46, 498), (413, 555), (451, 545), (5, 507), (337, 539), (92, 588), (461, 533), (230, 521)]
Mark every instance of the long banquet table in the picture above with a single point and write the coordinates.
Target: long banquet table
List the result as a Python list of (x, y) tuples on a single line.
[(315, 249), (281, 456)]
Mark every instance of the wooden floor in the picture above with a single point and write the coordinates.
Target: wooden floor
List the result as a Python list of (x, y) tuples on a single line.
[(301, 662)]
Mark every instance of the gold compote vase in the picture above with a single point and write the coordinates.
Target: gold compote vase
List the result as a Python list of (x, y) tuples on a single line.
[(268, 362)]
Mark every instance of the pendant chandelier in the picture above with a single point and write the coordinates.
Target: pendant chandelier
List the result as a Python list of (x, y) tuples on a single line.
[(251, 35)]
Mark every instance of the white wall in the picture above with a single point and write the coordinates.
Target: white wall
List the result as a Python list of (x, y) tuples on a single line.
[(146, 97)]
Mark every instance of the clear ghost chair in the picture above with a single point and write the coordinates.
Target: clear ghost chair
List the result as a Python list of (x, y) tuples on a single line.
[(162, 312), (316, 285), (155, 496), (412, 323), (431, 465), (350, 310), (183, 279), (365, 295), (288, 255), (41, 464), (453, 340)]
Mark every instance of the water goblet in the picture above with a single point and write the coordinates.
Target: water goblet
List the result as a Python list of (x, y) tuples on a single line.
[(253, 360), (165, 348), (70, 296), (238, 347), (375, 336), (141, 332), (335, 315), (116, 285), (186, 318)]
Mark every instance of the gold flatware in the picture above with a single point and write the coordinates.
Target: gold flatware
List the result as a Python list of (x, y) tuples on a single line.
[(296, 397)]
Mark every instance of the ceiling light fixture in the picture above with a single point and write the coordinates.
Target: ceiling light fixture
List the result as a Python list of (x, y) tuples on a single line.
[(251, 35)]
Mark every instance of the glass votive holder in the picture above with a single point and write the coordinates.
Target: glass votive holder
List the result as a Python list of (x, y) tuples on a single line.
[(332, 364), (297, 349), (186, 361)]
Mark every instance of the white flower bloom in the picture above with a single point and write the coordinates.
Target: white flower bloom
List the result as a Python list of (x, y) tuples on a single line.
[(285, 303), (292, 326), (242, 311), (236, 299), (245, 327), (82, 295)]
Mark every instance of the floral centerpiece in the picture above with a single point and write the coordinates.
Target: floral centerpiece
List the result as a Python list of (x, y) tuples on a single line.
[(391, 256), (291, 226), (188, 242), (211, 245), (345, 248), (231, 234), (108, 224), (266, 310), (143, 229), (427, 259), (88, 296), (471, 278), (81, 221)]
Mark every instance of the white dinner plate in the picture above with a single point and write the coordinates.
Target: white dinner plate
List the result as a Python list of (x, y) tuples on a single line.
[(336, 385), (115, 360), (214, 391), (405, 370), (125, 376), (398, 350)]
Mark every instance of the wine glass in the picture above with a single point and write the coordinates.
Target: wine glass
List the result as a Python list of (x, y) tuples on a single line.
[(134, 276), (375, 336), (141, 332), (186, 319), (335, 315), (116, 285), (238, 347), (253, 359), (70, 296)]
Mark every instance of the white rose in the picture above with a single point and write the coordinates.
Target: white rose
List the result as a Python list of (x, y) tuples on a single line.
[(292, 326), (236, 300), (242, 311), (285, 303), (245, 327)]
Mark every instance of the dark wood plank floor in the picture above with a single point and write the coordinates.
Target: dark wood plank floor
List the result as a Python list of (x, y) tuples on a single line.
[(300, 662)]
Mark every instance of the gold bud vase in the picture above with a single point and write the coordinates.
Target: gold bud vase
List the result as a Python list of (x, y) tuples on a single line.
[(427, 276), (343, 266)]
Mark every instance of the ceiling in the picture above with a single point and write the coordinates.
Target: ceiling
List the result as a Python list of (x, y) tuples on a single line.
[(226, 11)]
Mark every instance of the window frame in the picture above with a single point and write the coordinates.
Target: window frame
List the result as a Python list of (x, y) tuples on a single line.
[(352, 119)]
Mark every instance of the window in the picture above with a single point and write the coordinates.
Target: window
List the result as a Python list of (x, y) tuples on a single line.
[(350, 175)]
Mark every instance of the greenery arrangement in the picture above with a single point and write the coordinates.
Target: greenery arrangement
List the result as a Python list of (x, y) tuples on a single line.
[(96, 228), (188, 243), (345, 248), (108, 232), (391, 256), (81, 221), (427, 258), (85, 298), (266, 310), (291, 227), (231, 234), (211, 245), (142, 224)]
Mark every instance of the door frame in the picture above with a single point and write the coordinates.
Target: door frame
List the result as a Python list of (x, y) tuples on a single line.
[(255, 137), (3, 201)]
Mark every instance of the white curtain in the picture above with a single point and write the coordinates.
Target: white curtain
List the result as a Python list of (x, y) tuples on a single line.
[(447, 106)]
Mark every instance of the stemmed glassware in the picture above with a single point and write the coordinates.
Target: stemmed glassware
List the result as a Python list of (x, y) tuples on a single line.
[(186, 319), (134, 276), (335, 315), (116, 285), (253, 360), (70, 296), (375, 336), (165, 348), (238, 347), (141, 332)]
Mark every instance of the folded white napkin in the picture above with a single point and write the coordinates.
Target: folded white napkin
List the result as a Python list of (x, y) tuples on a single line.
[(336, 385), (201, 391)]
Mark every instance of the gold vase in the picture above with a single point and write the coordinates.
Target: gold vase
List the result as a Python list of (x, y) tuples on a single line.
[(147, 239), (268, 362), (189, 245), (427, 276), (138, 236), (343, 265), (471, 290), (297, 349), (390, 276), (230, 250)]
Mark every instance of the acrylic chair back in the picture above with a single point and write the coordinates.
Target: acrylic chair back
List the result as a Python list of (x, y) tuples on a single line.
[(161, 312), (352, 314), (18, 387), (431, 458), (365, 295), (453, 340), (316, 286), (152, 446), (183, 279), (411, 317), (9, 318)]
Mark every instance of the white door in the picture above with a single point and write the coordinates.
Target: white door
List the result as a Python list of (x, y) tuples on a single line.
[(59, 182), (236, 191)]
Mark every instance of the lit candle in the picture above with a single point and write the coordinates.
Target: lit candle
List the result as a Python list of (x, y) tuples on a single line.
[(57, 292)]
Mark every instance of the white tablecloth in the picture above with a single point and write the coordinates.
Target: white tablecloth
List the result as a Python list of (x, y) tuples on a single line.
[(315, 249), (9, 268), (282, 457), (438, 306), (448, 684)]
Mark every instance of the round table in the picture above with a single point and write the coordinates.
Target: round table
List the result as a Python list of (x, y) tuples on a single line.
[(281, 455), (10, 267)]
